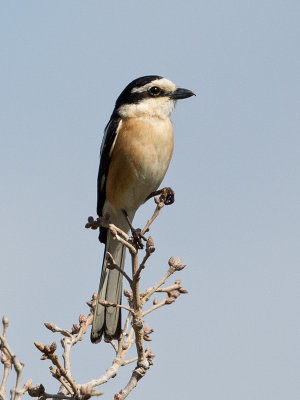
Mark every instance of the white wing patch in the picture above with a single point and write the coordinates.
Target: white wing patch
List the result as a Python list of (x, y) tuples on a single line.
[(114, 142)]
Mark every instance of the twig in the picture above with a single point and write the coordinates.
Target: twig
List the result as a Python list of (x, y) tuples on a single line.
[(106, 303), (147, 352), (159, 206), (49, 353), (123, 334), (149, 250), (54, 328), (117, 363), (7, 365), (114, 346), (65, 387), (125, 242), (136, 375), (155, 307), (118, 233), (126, 362), (10, 359), (113, 265), (174, 265), (168, 289), (137, 320), (84, 324)]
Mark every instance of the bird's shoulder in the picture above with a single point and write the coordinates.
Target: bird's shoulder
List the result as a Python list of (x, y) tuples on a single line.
[(107, 145)]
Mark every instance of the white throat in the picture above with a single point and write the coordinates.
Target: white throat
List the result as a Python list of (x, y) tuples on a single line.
[(160, 107)]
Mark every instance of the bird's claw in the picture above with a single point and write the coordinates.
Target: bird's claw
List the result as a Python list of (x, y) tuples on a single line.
[(137, 238), (168, 196)]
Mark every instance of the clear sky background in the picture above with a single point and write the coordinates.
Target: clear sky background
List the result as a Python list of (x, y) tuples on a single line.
[(235, 172)]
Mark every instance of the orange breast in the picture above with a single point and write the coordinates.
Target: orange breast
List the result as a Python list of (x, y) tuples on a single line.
[(139, 161)]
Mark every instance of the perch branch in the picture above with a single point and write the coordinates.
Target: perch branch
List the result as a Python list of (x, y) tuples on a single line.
[(134, 332), (8, 358)]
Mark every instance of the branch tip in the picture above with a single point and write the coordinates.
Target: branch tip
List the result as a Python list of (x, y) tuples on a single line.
[(4, 322)]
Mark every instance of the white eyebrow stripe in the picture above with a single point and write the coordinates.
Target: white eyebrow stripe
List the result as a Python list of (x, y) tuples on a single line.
[(163, 83)]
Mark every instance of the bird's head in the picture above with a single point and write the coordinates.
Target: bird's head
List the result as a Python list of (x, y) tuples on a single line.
[(149, 96)]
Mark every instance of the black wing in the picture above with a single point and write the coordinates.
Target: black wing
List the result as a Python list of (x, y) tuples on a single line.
[(109, 137)]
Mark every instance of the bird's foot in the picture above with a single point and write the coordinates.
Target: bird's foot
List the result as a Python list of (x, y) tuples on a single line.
[(167, 195), (137, 237)]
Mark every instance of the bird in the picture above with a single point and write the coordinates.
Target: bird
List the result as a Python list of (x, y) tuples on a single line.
[(135, 153)]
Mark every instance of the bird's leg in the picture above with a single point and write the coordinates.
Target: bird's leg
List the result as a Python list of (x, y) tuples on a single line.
[(136, 233), (167, 193)]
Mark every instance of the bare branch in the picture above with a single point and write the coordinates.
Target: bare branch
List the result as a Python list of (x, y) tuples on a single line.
[(49, 353), (130, 247), (134, 331), (8, 358), (174, 265), (155, 307), (137, 374), (118, 234), (159, 206), (54, 328)]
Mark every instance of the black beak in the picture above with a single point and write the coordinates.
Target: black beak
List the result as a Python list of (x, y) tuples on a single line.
[(181, 94)]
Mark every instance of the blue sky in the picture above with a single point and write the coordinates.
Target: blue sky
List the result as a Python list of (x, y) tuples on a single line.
[(235, 171)]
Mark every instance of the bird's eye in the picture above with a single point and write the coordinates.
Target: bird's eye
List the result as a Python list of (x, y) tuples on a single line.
[(154, 91)]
